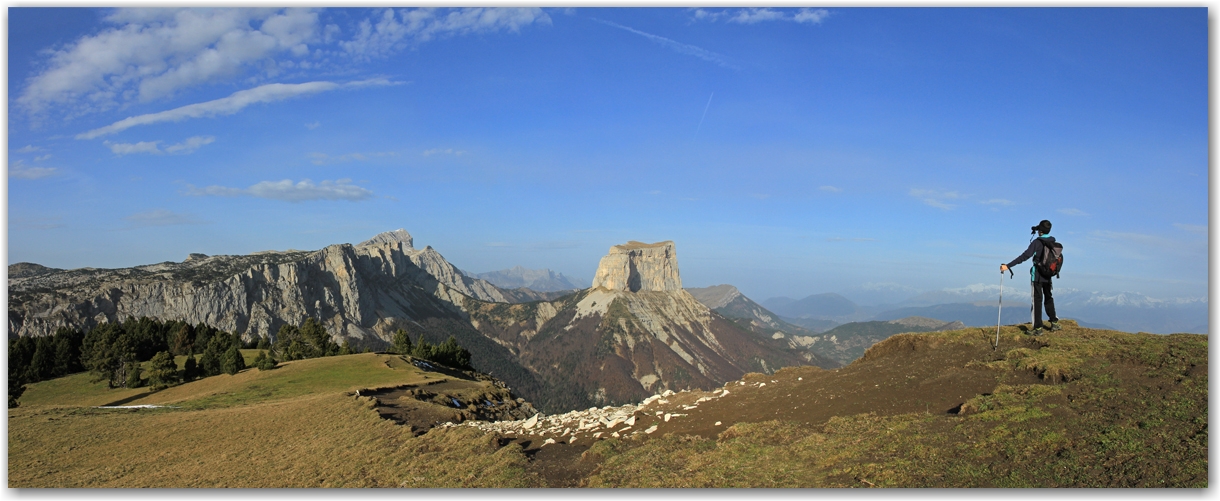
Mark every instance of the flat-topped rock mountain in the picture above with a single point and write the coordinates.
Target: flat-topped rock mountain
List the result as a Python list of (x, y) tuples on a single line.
[(633, 334), (639, 267)]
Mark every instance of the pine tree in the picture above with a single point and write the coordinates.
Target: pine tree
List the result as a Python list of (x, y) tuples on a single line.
[(402, 342), (422, 349), (133, 375), (162, 371), (190, 369), (232, 361), (346, 349)]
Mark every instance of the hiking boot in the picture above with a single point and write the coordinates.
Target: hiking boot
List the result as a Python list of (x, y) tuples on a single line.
[(1038, 331), (1055, 326)]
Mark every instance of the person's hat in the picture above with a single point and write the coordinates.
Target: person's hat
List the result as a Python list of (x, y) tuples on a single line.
[(1043, 227)]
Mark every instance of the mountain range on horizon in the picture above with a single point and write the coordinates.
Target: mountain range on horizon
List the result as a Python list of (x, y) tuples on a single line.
[(976, 305), (541, 280)]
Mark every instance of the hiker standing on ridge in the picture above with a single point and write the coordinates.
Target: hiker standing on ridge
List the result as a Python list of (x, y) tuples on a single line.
[(1040, 285)]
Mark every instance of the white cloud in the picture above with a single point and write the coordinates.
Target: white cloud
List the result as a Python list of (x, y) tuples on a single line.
[(185, 147), (313, 125), (19, 170), (758, 15), (162, 217), (1073, 212), (129, 148), (678, 47), (811, 16), (190, 145), (154, 53), (288, 191), (830, 189), (29, 148), (997, 201), (389, 31), (1193, 228), (44, 157), (936, 198), (446, 151), (229, 105)]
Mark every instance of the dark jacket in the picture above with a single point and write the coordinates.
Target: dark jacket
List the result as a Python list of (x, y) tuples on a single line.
[(1035, 248)]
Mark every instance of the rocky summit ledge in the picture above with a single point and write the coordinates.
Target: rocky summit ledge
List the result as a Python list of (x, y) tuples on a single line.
[(639, 267)]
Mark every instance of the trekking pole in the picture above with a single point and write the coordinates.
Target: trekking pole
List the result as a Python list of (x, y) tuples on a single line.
[(999, 312)]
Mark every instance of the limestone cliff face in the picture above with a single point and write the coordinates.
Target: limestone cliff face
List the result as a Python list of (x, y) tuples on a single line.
[(639, 267), (357, 291)]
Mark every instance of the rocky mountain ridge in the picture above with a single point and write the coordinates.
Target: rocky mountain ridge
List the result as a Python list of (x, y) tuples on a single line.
[(358, 292)]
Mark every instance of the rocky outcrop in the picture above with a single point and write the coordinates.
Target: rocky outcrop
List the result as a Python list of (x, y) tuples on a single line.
[(358, 292), (639, 267), (397, 236)]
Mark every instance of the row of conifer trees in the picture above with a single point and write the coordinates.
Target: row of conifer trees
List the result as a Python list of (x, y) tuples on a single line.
[(115, 352)]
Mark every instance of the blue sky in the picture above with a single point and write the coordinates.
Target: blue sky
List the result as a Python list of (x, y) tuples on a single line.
[(785, 151)]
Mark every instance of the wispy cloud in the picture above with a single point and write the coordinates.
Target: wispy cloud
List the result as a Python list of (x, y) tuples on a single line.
[(830, 189), (936, 198), (446, 151), (29, 148), (144, 54), (996, 201), (229, 105), (678, 47), (857, 239), (1193, 228), (183, 148), (287, 191), (162, 217), (389, 30), (44, 157), (324, 159), (759, 15), (1073, 212), (148, 54), (313, 125), (20, 170), (37, 223)]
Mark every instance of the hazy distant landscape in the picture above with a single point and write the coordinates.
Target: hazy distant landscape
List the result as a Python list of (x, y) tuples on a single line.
[(605, 247)]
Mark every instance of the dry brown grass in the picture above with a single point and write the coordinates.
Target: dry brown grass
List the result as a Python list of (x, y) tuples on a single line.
[(296, 426)]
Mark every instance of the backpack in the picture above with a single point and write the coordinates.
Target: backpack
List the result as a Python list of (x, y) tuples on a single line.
[(1050, 260)]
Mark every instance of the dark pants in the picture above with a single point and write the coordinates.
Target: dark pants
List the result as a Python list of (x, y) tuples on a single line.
[(1042, 291)]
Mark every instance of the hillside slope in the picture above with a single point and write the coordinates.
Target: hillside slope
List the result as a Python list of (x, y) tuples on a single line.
[(1075, 408)]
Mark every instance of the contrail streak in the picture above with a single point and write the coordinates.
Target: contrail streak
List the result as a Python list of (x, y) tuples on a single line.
[(709, 105)]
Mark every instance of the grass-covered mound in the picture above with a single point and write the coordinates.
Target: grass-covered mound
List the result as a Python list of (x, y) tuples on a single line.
[(1107, 409)]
